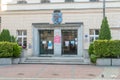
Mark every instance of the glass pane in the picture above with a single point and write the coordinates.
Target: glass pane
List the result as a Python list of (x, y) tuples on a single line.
[(91, 32), (24, 42), (69, 42), (69, 0), (24, 32), (19, 41), (96, 32), (19, 32), (96, 38), (46, 42), (91, 39)]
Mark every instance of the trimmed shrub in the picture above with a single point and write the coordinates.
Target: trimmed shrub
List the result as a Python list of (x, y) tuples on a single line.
[(16, 50), (9, 49), (6, 50), (13, 39), (105, 33), (5, 36), (91, 49), (107, 49), (101, 48), (93, 58), (114, 48)]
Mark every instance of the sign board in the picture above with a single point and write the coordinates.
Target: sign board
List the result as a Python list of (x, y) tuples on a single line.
[(57, 39)]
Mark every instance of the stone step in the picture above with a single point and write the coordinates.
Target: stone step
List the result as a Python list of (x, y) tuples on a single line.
[(56, 60), (55, 63)]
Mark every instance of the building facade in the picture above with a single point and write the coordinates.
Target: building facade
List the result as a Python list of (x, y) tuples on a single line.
[(58, 27)]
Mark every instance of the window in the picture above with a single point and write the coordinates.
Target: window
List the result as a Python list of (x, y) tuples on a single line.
[(69, 0), (94, 34), (22, 38), (21, 2), (94, 0), (57, 11), (45, 1)]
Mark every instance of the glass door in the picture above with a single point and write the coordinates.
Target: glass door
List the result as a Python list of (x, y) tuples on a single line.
[(46, 42), (69, 42)]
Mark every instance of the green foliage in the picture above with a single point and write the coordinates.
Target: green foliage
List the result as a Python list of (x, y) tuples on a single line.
[(16, 50), (107, 48), (13, 39), (114, 48), (93, 58), (91, 49), (6, 49), (5, 36), (92, 55), (101, 49), (9, 49), (105, 33)]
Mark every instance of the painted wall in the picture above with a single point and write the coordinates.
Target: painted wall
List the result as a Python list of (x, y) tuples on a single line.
[(52, 1), (91, 20)]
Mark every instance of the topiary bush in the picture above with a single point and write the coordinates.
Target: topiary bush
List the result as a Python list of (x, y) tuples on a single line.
[(6, 50), (9, 50), (101, 48), (107, 48), (114, 48), (16, 50), (93, 57), (105, 33), (5, 36), (91, 49)]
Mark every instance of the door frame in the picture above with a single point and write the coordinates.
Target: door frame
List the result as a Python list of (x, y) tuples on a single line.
[(40, 26), (47, 54), (69, 42)]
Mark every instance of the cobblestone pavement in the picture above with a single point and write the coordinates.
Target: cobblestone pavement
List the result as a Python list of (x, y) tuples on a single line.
[(57, 72)]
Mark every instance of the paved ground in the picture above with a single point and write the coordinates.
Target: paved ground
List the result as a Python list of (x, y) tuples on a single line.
[(57, 72)]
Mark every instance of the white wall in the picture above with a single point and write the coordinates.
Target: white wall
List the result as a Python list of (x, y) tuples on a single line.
[(38, 1)]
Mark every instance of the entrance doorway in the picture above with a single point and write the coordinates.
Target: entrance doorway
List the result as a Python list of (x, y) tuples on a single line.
[(69, 42), (46, 42)]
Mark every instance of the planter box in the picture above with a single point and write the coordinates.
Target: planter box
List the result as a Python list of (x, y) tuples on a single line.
[(116, 62), (103, 62), (22, 60), (5, 61), (15, 60)]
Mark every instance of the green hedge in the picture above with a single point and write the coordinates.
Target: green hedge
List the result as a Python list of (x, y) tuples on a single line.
[(92, 55), (16, 50), (9, 49), (107, 48)]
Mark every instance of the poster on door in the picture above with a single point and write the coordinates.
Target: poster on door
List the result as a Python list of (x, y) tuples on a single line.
[(57, 39), (49, 44)]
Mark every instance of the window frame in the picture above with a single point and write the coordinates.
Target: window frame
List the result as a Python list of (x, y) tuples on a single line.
[(68, 1), (45, 1), (94, 35), (22, 37)]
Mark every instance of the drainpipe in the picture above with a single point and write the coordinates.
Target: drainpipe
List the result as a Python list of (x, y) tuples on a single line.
[(103, 9)]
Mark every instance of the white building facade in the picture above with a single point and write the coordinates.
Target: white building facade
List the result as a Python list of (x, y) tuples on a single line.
[(58, 27)]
